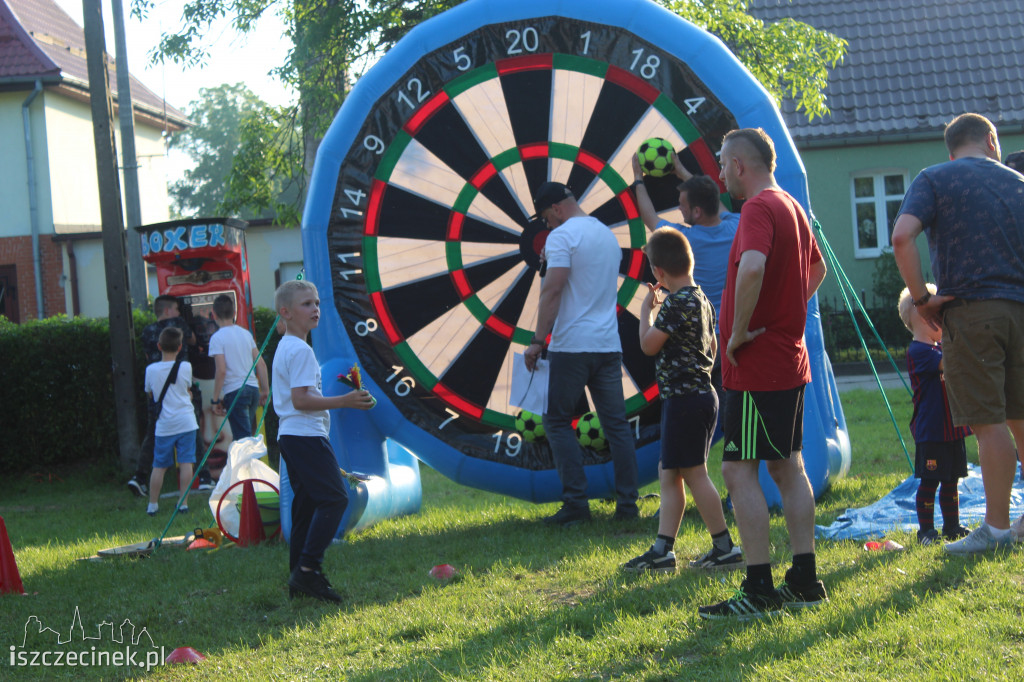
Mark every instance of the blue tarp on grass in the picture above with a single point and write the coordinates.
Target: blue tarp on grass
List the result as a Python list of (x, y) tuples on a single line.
[(898, 511)]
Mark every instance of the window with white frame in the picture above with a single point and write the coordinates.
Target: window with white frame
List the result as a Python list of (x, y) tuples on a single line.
[(876, 198)]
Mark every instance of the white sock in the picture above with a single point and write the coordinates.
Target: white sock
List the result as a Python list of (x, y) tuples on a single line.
[(152, 507), (998, 533)]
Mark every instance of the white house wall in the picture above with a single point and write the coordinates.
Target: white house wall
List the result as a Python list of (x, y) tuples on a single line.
[(14, 195)]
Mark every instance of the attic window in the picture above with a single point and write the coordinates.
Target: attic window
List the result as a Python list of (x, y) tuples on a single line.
[(876, 197)]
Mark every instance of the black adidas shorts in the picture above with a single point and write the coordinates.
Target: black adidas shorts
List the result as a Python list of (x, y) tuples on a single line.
[(763, 425)]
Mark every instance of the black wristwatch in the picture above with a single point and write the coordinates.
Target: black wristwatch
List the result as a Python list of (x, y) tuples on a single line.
[(924, 299), (214, 402), (539, 342)]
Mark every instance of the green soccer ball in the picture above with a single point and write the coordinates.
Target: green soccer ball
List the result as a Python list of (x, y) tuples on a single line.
[(655, 157), (589, 432), (529, 425)]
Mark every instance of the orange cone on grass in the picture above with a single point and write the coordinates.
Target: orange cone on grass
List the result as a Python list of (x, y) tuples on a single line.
[(10, 579), (250, 525)]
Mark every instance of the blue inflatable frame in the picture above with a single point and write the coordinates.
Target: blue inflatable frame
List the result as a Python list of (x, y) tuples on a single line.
[(381, 442)]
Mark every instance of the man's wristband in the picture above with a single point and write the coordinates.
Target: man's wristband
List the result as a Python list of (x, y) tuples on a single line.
[(539, 342), (214, 402), (924, 299)]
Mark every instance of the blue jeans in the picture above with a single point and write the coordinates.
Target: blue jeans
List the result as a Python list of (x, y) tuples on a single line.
[(245, 410), (602, 374)]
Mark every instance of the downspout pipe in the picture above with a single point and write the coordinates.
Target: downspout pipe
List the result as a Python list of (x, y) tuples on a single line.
[(33, 202)]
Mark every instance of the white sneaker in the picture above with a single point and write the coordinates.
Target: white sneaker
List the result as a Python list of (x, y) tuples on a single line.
[(1017, 529), (980, 540)]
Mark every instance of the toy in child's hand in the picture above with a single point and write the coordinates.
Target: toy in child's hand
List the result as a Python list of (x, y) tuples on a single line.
[(354, 380)]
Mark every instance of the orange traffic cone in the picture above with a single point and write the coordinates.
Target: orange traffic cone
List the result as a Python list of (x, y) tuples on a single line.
[(10, 580), (250, 525)]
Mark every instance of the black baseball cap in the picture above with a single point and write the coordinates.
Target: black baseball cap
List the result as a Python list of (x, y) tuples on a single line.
[(1016, 161), (547, 195)]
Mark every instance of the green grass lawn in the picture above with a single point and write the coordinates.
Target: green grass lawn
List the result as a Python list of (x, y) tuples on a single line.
[(530, 602)]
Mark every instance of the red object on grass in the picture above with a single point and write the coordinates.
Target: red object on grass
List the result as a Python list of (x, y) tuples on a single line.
[(443, 572), (250, 525), (185, 654), (10, 579)]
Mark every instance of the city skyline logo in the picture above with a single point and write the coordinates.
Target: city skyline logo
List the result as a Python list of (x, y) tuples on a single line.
[(123, 645)]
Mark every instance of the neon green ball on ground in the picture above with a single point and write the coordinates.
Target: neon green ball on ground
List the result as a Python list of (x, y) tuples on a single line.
[(530, 426), (655, 157), (589, 432)]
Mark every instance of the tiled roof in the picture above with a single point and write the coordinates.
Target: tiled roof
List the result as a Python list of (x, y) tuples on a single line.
[(37, 39), (911, 65)]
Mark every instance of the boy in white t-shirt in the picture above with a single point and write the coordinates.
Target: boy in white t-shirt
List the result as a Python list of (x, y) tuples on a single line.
[(320, 498), (234, 352), (176, 426)]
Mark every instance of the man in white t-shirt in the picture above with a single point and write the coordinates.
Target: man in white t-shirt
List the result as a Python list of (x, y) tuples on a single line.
[(578, 310), (237, 382)]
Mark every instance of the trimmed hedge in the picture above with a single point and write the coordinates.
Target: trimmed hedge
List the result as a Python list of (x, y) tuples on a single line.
[(58, 397)]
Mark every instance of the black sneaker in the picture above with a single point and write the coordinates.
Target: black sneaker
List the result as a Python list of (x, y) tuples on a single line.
[(956, 532), (651, 562), (927, 537), (311, 584), (568, 516), (717, 560), (794, 596), (743, 605), (626, 514), (138, 486), (206, 481)]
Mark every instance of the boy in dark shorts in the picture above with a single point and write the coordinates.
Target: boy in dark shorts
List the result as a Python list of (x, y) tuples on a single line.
[(320, 497), (682, 335), (940, 455)]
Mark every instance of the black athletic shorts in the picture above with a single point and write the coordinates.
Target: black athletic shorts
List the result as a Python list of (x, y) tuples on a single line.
[(763, 425), (687, 424), (941, 461)]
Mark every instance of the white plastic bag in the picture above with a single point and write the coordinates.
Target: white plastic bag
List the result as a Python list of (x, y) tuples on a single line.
[(243, 463)]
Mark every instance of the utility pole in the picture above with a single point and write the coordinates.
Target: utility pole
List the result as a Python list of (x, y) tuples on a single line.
[(137, 284), (122, 331)]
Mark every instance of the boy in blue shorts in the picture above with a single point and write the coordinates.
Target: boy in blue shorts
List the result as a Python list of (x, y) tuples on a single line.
[(320, 498), (682, 335), (940, 455), (176, 425)]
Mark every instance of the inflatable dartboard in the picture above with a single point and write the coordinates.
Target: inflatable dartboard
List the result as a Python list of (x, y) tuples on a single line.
[(417, 230)]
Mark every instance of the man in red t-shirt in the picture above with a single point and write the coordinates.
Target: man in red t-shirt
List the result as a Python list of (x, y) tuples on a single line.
[(774, 269)]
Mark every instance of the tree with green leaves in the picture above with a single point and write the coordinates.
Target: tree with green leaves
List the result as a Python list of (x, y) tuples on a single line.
[(226, 123), (335, 40)]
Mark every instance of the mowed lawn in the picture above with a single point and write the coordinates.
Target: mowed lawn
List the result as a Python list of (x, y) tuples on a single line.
[(529, 602)]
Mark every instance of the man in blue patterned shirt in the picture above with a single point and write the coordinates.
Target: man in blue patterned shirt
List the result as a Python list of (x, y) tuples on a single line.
[(972, 210)]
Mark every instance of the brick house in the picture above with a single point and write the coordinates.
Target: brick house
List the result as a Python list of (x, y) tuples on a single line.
[(51, 255)]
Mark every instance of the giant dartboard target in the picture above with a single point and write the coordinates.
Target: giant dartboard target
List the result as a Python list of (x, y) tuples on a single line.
[(417, 228)]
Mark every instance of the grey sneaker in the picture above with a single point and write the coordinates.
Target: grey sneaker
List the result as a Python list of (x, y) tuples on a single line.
[(651, 562), (980, 540), (717, 560), (1017, 529)]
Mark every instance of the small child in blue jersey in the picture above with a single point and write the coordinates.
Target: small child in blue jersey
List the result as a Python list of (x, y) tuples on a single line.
[(940, 454)]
